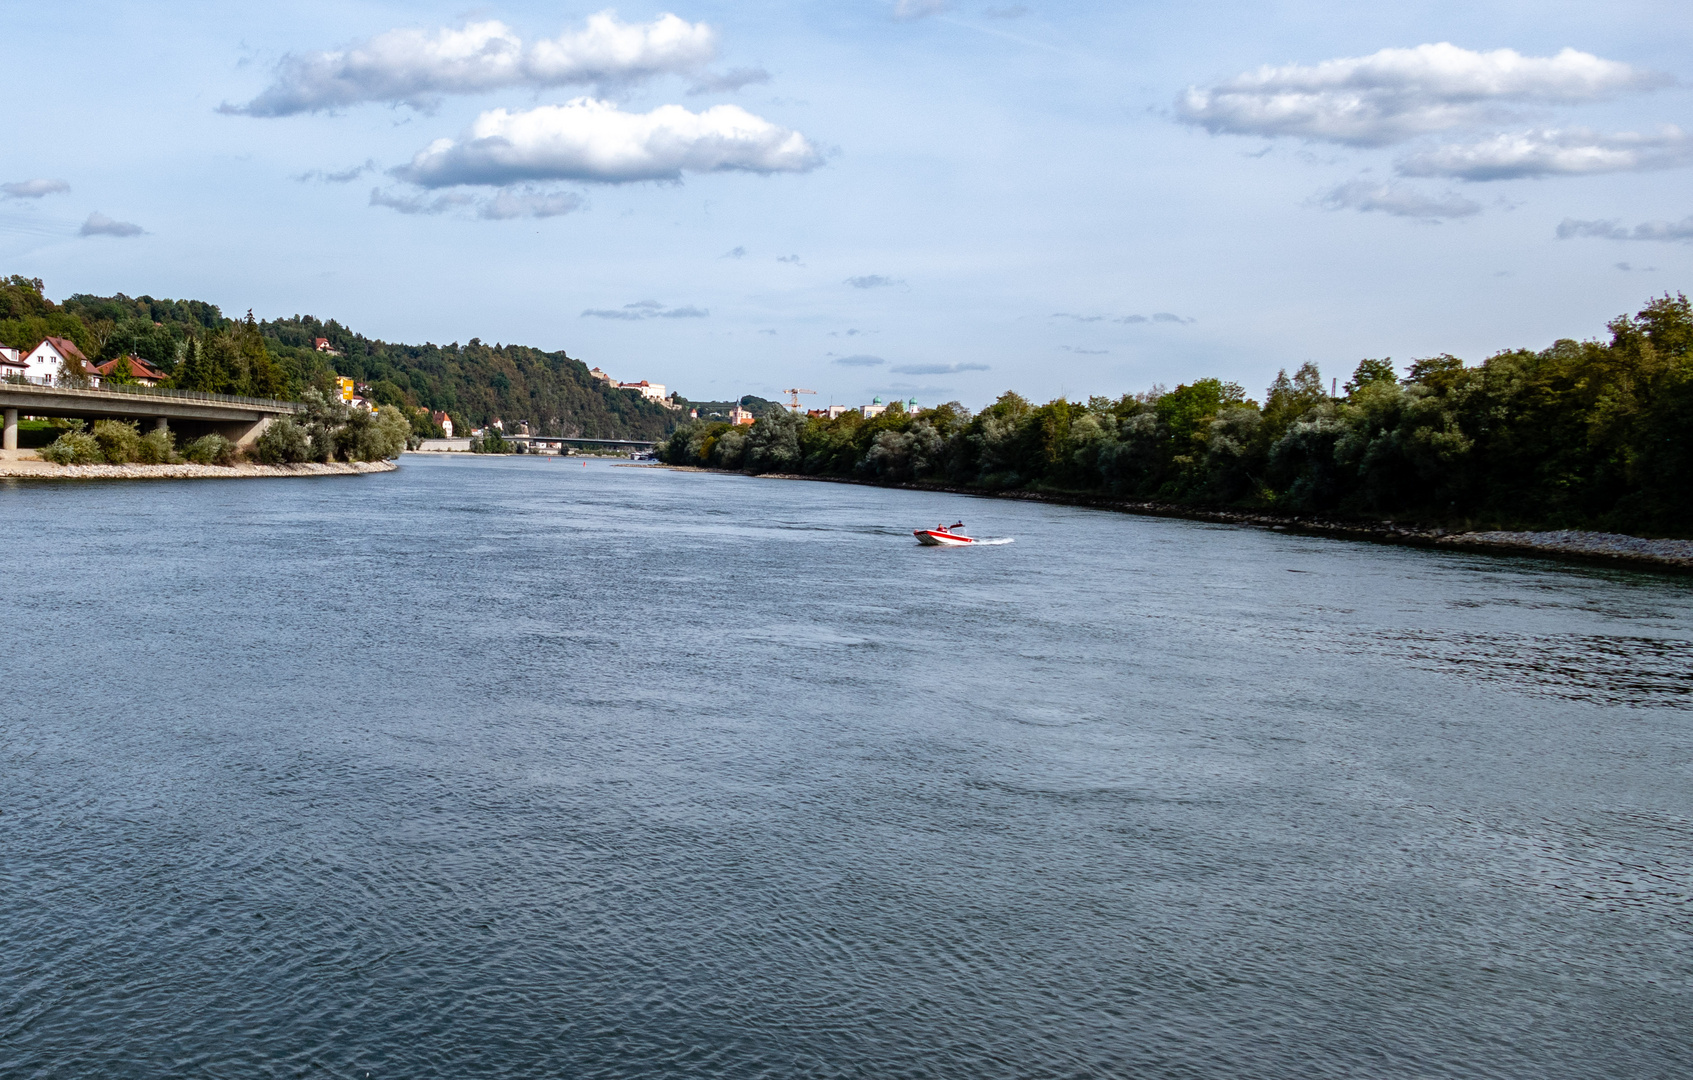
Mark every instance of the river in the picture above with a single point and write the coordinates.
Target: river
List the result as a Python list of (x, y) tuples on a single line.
[(507, 767)]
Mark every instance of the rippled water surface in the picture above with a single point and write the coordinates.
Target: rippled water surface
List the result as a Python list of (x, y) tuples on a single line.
[(515, 768)]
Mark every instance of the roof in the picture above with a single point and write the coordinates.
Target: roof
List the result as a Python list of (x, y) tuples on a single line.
[(137, 367), (64, 346)]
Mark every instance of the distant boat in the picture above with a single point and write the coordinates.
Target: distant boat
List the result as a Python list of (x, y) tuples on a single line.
[(943, 536)]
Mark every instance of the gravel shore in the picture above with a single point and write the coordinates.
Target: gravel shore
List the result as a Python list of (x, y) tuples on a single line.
[(1592, 545), (46, 470)]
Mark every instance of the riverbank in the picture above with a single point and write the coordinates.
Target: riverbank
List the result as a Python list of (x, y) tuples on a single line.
[(1569, 544), (46, 470)]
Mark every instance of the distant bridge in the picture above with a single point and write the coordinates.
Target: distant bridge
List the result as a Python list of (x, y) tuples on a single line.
[(239, 419), (541, 443)]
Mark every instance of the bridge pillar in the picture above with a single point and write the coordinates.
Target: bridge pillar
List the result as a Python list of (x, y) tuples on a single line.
[(161, 424), (10, 439)]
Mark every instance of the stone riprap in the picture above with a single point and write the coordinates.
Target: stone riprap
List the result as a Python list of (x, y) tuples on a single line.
[(46, 470), (1574, 542)]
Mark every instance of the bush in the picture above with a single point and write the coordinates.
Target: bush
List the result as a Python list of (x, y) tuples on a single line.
[(158, 447), (210, 450), (74, 447), (283, 443), (120, 441)]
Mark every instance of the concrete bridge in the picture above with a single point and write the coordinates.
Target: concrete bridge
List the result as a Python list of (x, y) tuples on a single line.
[(190, 413)]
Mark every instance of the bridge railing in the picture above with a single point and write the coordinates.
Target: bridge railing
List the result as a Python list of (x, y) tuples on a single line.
[(148, 391)]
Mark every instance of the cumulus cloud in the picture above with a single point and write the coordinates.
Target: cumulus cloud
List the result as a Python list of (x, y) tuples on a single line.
[(1169, 317), (1132, 319), (1399, 200), (860, 361), (1551, 152), (791, 260), (937, 369), (588, 139), (734, 253), (417, 67), (508, 203), (34, 189), (873, 281), (907, 10), (99, 224), (1663, 231), (645, 309), (729, 81), (1398, 94), (345, 176)]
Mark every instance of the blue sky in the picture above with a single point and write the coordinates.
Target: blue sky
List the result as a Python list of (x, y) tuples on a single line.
[(869, 196)]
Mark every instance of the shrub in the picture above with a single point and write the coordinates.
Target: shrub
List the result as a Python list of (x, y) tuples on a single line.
[(210, 450), (158, 447), (283, 443), (120, 441), (74, 447)]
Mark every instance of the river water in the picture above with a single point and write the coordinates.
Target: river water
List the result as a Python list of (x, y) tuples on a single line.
[(520, 768)]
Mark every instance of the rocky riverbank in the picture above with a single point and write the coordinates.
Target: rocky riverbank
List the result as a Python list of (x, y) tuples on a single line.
[(46, 470), (1614, 548)]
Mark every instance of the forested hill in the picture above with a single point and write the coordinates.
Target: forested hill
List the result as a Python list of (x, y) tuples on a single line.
[(476, 382), (201, 348)]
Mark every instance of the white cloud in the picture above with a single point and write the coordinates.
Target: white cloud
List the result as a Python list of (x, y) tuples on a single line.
[(1396, 199), (1551, 152), (345, 176), (860, 361), (937, 369), (1663, 231), (906, 10), (522, 203), (508, 203), (99, 224), (645, 309), (34, 189), (593, 140), (1398, 94), (418, 66), (729, 81)]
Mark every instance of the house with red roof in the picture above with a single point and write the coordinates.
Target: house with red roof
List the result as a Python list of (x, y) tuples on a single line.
[(139, 370)]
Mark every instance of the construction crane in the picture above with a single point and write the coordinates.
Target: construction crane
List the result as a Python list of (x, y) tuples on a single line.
[(793, 396)]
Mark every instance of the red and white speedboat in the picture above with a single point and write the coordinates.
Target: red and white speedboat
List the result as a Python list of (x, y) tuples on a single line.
[(943, 536)]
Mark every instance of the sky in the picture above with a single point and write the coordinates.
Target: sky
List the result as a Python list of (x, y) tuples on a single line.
[(911, 198)]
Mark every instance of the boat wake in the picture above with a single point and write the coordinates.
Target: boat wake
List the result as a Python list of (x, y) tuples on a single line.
[(995, 541)]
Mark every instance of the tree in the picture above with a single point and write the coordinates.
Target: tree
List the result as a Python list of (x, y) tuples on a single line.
[(1370, 372)]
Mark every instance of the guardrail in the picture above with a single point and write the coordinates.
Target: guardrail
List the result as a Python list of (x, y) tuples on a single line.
[(26, 382)]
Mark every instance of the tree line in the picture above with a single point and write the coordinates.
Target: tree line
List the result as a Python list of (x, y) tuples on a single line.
[(1583, 434)]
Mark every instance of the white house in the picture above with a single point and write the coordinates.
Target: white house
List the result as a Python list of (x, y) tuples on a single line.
[(875, 408), (11, 363), (44, 362)]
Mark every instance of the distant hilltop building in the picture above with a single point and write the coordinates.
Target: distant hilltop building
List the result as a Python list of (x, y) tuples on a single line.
[(442, 421), (322, 345), (738, 415), (650, 390), (828, 412), (875, 408)]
